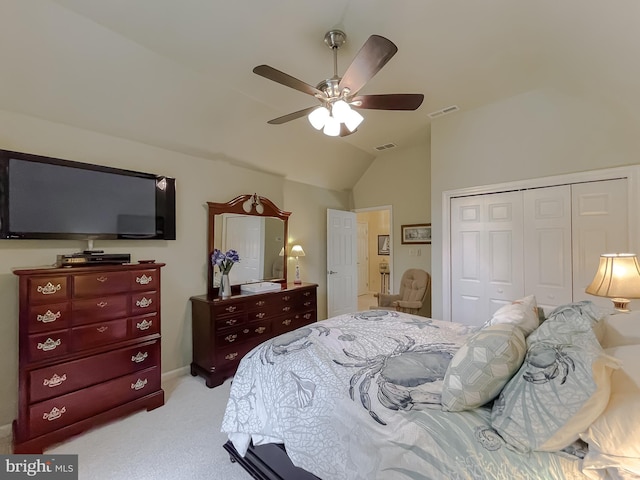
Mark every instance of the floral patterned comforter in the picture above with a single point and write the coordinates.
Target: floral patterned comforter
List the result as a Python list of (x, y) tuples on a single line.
[(358, 397)]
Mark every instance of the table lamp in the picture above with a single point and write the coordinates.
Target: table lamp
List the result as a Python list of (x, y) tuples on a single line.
[(618, 278), (297, 251)]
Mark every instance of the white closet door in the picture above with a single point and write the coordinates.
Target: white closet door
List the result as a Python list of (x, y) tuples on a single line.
[(600, 225), (547, 243), (486, 255)]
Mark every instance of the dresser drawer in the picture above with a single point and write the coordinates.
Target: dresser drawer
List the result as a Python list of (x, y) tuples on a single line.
[(231, 321), (224, 309), (99, 309), (47, 289), (248, 331), (142, 303), (70, 376), (48, 345), (144, 325), (48, 317), (287, 323), (96, 334), (233, 354), (100, 284), (145, 280), (58, 412)]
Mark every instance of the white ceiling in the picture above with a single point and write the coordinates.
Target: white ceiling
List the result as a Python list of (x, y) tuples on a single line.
[(178, 73)]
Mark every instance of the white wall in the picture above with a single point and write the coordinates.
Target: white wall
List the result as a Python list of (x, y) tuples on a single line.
[(198, 180), (536, 134), (400, 178)]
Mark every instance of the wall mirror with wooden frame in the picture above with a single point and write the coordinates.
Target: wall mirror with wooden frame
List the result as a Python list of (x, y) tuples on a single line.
[(257, 229)]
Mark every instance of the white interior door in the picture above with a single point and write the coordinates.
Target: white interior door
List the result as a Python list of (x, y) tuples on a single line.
[(342, 259), (245, 233), (600, 225), (547, 243), (363, 258)]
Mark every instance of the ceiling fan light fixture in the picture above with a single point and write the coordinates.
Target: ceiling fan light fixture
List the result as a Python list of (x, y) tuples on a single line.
[(340, 111), (332, 127), (353, 120), (318, 117)]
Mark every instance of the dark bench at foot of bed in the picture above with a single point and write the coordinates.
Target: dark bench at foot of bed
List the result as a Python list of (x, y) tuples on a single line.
[(268, 462)]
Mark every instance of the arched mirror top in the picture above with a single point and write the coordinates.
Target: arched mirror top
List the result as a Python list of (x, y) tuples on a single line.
[(230, 226)]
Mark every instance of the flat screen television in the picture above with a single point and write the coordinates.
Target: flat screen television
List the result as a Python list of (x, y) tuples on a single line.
[(51, 198)]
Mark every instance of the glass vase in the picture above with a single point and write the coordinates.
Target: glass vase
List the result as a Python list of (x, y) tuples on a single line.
[(225, 286)]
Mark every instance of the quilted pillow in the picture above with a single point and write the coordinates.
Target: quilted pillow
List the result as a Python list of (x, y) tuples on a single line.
[(562, 386), (482, 366), (522, 312)]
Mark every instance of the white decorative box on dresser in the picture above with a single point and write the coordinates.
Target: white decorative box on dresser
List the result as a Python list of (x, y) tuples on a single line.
[(89, 349)]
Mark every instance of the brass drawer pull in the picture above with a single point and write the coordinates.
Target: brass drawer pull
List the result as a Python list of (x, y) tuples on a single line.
[(231, 321), (306, 294), (231, 356), (144, 325), (260, 303), (144, 302), (231, 338), (102, 279), (102, 329), (286, 309), (306, 304), (102, 304), (139, 357), (287, 322), (139, 385), (231, 308), (49, 316), (54, 414), (55, 380), (144, 280), (260, 329), (260, 315), (307, 316), (50, 344), (286, 298), (49, 288), (246, 330)]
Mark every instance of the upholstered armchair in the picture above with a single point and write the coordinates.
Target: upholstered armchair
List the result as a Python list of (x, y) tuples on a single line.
[(414, 288)]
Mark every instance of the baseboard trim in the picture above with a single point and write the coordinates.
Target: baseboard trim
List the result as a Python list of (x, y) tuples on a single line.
[(178, 372)]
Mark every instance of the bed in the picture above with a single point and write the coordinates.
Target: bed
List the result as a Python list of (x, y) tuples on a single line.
[(383, 395)]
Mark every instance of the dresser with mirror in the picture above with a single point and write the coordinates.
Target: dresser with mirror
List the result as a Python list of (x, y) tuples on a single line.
[(225, 329)]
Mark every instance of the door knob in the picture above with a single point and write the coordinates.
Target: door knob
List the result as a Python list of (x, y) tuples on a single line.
[(331, 272)]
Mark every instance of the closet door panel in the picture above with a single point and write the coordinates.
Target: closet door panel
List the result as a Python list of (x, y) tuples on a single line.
[(547, 234), (600, 225)]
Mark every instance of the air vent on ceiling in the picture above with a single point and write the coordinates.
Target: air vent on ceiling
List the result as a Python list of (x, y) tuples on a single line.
[(386, 146), (444, 111)]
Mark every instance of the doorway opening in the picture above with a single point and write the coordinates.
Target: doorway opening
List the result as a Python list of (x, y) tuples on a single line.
[(375, 254)]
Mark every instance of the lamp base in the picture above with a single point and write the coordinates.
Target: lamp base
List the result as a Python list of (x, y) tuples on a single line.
[(297, 280), (621, 304)]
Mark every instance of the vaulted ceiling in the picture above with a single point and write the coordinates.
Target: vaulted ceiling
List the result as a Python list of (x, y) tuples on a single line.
[(178, 73)]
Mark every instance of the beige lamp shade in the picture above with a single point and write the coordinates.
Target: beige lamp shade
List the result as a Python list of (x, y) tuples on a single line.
[(297, 251), (618, 278)]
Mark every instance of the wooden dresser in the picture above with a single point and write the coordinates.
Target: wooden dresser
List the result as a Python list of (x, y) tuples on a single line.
[(225, 330), (89, 349)]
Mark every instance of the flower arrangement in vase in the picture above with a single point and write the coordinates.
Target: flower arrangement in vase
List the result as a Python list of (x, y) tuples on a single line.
[(224, 262)]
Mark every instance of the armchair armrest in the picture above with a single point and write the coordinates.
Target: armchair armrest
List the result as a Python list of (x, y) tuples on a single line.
[(386, 300), (407, 304)]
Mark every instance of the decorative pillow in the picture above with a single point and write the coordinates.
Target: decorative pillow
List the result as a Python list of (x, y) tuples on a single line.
[(614, 437), (522, 312), (561, 388), (482, 366)]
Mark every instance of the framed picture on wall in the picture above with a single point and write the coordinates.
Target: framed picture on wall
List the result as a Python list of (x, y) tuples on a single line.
[(383, 245), (416, 233)]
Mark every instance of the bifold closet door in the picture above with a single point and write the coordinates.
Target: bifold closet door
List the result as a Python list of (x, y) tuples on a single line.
[(547, 243), (486, 255), (600, 225)]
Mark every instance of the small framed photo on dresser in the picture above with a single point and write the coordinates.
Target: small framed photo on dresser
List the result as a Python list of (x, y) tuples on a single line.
[(418, 233)]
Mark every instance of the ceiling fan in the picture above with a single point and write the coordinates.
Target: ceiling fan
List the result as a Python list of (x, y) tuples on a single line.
[(338, 96)]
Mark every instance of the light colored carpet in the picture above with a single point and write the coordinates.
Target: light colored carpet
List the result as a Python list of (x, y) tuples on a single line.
[(180, 440)]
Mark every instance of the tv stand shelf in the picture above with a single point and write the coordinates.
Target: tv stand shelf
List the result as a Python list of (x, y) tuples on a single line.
[(89, 349)]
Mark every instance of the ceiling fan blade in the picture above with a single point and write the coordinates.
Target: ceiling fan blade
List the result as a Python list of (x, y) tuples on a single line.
[(287, 80), (292, 116), (373, 55), (391, 101), (344, 131)]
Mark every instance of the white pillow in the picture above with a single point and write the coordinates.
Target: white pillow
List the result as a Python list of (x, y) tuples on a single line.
[(522, 312), (621, 329), (614, 437)]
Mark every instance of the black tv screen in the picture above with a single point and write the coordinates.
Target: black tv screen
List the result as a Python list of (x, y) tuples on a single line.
[(45, 197)]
